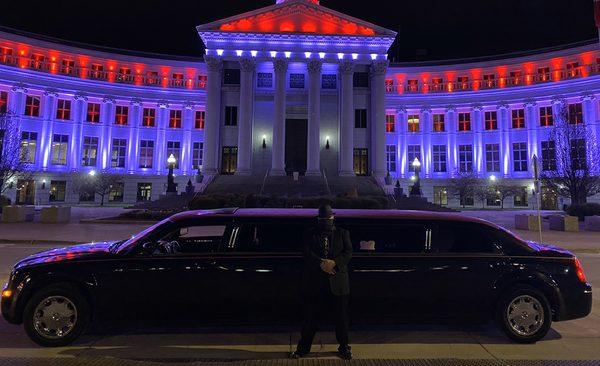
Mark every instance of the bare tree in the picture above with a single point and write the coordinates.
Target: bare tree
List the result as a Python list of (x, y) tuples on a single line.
[(503, 190), (96, 183), (463, 186), (573, 170), (11, 164), (481, 193)]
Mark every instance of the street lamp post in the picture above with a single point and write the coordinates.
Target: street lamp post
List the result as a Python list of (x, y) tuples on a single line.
[(416, 188), (171, 187)]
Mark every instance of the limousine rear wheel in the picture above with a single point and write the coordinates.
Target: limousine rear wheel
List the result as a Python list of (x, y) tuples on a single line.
[(524, 314), (56, 315)]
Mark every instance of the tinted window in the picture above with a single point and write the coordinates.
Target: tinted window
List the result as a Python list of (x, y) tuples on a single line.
[(387, 238), (271, 236), (196, 239), (452, 237)]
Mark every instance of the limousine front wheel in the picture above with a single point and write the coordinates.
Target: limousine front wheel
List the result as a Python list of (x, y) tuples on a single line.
[(524, 314), (56, 315)]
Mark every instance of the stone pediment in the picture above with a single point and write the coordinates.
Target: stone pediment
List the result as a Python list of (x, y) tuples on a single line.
[(297, 17)]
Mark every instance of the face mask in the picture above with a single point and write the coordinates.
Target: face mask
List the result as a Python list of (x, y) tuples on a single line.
[(325, 225)]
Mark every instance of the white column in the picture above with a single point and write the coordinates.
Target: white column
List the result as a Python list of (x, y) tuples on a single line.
[(161, 130), (452, 122), (505, 148), (16, 100), (185, 165), (346, 154), (477, 125), (531, 123), (48, 105), (313, 159), (78, 114), (588, 106), (213, 115), (245, 140), (278, 163), (135, 121), (401, 123), (378, 70), (426, 128), (107, 117)]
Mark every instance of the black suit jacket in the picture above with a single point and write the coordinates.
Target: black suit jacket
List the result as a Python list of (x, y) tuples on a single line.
[(340, 251)]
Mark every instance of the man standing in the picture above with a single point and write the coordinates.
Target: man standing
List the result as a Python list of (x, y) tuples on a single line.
[(325, 286)]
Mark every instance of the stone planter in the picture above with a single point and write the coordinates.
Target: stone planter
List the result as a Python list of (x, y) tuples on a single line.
[(564, 223), (527, 222), (592, 223), (54, 215), (13, 214)]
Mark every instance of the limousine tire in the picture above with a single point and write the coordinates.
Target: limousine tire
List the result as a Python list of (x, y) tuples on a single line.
[(524, 314), (56, 315)]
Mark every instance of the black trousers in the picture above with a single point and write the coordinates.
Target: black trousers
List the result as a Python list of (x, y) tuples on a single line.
[(319, 306)]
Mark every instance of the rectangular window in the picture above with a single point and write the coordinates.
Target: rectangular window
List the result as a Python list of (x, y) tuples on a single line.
[(67, 67), (231, 116), (361, 162), (115, 194), (390, 157), (491, 120), (575, 114), (520, 156), (151, 77), (439, 158), (174, 148), (124, 75), (149, 117), (121, 115), (546, 116), (3, 101), (390, 123), (6, 55), (516, 77), (548, 156), (389, 85), (437, 84), (440, 196), (28, 145), (177, 79), (297, 81), (93, 112), (573, 70), (439, 122), (63, 109), (175, 118), (60, 147), (412, 85), (90, 151), (329, 81), (521, 197), (492, 157), (146, 153), (464, 121), (578, 154), (58, 190), (543, 74), (518, 118), (413, 123), (377, 237), (118, 153), (37, 61), (231, 76), (360, 118), (360, 80), (264, 80), (144, 192), (197, 153), (202, 81), (489, 81), (414, 152), (229, 160), (463, 82), (32, 106), (97, 71), (465, 158), (199, 119)]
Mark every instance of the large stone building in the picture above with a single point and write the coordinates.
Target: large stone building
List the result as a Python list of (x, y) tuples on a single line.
[(293, 87)]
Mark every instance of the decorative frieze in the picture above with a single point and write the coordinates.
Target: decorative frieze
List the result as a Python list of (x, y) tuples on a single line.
[(379, 67)]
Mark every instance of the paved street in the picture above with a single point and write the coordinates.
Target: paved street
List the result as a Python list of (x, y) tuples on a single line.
[(574, 340)]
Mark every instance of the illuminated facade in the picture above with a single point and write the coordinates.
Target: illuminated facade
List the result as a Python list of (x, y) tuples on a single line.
[(290, 87)]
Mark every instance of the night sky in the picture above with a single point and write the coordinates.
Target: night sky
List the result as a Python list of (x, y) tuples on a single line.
[(428, 29)]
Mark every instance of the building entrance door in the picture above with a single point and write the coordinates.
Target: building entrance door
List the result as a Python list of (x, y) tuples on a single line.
[(229, 160), (549, 199), (25, 192), (361, 162), (296, 136)]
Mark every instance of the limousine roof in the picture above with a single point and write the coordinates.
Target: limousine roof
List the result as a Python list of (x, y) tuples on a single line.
[(339, 213)]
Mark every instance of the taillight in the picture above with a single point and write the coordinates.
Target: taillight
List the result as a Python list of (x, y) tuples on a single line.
[(579, 271)]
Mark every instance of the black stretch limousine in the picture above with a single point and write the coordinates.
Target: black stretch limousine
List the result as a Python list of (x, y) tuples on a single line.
[(246, 263)]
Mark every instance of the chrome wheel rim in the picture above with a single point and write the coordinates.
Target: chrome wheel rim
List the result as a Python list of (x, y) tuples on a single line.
[(525, 315), (55, 317)]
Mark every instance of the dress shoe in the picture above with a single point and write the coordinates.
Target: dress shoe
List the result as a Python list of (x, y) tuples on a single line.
[(297, 354), (345, 353)]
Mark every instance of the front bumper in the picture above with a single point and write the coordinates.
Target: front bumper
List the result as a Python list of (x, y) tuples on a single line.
[(576, 303), (8, 306)]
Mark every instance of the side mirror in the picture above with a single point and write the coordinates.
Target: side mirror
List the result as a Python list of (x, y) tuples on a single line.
[(149, 248)]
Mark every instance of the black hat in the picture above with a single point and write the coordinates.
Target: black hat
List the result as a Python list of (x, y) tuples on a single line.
[(325, 212)]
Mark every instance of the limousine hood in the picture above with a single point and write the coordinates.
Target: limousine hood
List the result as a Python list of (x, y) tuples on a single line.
[(549, 250), (77, 252)]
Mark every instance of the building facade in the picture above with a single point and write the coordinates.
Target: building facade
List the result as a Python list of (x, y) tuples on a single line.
[(293, 87)]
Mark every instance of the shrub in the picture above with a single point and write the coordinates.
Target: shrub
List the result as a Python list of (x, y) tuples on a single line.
[(583, 210), (146, 215)]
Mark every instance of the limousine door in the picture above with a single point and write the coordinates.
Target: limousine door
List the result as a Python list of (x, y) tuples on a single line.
[(386, 269)]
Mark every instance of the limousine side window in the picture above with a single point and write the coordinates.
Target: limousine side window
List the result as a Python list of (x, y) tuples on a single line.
[(270, 237), (188, 239), (463, 238), (387, 238)]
